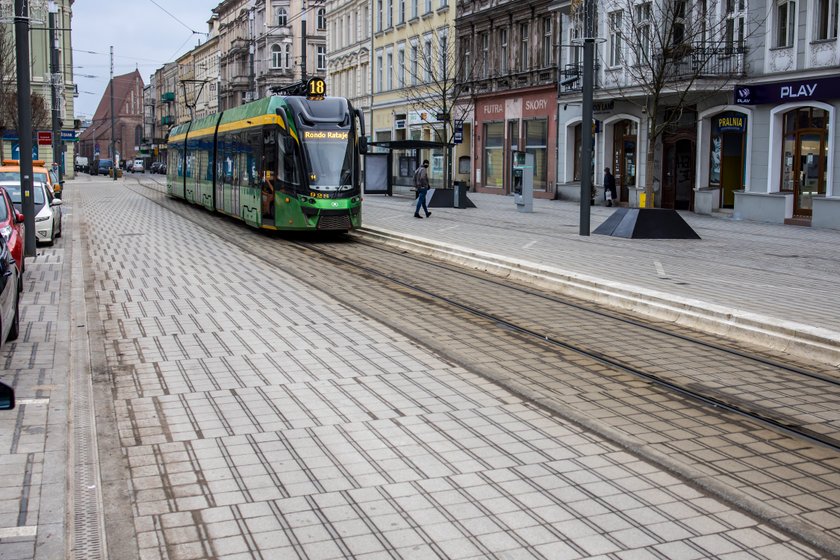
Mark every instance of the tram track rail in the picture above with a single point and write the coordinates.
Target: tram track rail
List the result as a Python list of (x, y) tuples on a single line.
[(710, 398)]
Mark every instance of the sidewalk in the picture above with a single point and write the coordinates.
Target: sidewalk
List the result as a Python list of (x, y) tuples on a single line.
[(759, 283)]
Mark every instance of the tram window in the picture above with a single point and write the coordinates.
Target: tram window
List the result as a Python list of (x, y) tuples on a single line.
[(288, 171)]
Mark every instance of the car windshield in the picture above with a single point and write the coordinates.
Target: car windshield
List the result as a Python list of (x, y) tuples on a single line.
[(14, 193), (10, 176)]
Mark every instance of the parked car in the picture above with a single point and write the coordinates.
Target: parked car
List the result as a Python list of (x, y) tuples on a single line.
[(48, 213), (137, 166), (153, 168), (162, 168), (82, 164), (12, 229), (9, 295), (104, 167), (10, 171), (7, 397)]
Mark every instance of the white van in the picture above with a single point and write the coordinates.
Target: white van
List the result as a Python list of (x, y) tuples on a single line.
[(137, 166)]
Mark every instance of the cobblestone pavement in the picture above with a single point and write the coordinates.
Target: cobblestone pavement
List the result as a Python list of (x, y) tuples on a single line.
[(766, 277), (243, 414)]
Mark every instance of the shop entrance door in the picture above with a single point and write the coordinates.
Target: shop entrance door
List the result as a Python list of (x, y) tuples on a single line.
[(804, 157), (624, 157), (678, 175), (731, 167), (809, 172)]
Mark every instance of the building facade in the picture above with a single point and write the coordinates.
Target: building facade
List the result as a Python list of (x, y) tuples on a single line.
[(510, 53), (41, 81), (415, 89), (348, 52), (125, 129)]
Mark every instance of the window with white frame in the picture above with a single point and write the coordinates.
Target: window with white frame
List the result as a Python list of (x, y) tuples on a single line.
[(414, 8), (379, 14), (485, 54), (389, 70), (826, 22), (785, 22), (401, 67), (428, 6), (427, 59), (524, 48), (678, 31), (443, 3), (734, 26), (379, 73), (282, 17), (276, 56), (321, 19), (615, 37), (643, 32), (401, 18), (390, 13), (414, 63), (547, 46), (443, 45), (321, 57), (504, 54), (575, 50), (466, 59)]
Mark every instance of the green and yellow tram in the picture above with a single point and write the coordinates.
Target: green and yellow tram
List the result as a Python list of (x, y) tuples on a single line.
[(283, 162)]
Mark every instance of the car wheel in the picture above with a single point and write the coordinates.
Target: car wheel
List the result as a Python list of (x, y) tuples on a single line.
[(15, 330), (59, 228)]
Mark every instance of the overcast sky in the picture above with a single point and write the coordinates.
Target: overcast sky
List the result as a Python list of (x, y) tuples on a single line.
[(143, 34)]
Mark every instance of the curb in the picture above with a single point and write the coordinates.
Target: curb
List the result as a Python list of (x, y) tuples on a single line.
[(805, 342)]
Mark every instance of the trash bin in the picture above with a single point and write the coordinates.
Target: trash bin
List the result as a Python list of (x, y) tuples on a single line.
[(459, 197)]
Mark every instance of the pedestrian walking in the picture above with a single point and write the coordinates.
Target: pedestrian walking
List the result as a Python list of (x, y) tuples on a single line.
[(421, 183), (609, 187)]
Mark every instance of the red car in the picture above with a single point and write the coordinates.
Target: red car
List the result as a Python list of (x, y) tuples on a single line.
[(12, 229)]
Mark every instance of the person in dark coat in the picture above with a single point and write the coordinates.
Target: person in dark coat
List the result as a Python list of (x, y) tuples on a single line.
[(609, 187), (421, 183)]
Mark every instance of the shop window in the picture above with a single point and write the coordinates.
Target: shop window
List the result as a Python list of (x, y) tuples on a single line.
[(536, 142), (494, 154)]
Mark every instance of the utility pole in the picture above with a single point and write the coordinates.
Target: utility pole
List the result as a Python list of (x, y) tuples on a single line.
[(55, 79), (25, 122), (303, 43), (586, 124), (113, 127)]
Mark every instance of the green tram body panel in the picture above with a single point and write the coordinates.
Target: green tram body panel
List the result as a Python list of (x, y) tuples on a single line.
[(212, 162)]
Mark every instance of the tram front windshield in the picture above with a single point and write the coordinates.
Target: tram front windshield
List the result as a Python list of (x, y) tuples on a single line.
[(329, 160)]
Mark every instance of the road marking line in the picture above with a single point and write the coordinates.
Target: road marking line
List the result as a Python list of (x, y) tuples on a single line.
[(529, 244), (12, 532), (660, 270), (32, 401), (448, 228)]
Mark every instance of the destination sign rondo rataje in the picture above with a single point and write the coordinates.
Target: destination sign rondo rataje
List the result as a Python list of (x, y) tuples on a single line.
[(785, 92)]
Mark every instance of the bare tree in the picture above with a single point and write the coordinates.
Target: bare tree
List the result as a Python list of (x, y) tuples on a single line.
[(434, 85), (667, 55)]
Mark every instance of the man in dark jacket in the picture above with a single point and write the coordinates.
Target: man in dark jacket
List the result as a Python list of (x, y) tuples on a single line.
[(421, 183), (609, 187)]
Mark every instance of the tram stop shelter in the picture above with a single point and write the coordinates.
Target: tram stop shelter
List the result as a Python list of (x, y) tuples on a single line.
[(394, 163)]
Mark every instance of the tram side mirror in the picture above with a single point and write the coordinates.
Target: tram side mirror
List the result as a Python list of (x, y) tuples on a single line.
[(7, 397), (363, 147)]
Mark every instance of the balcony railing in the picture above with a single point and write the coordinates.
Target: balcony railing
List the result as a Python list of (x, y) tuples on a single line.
[(167, 96), (167, 120), (699, 60)]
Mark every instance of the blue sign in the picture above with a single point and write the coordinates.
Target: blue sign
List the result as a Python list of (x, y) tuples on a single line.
[(784, 92), (68, 135), (458, 137), (16, 150)]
